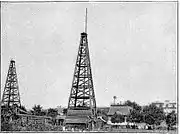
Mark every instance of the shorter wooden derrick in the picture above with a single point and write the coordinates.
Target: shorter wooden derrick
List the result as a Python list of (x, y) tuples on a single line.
[(11, 96), (11, 110)]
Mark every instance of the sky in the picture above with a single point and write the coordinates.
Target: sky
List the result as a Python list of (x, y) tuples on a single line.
[(132, 50)]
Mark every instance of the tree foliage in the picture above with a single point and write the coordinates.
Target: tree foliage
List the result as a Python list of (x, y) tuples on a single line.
[(37, 110), (135, 116), (117, 118), (135, 113), (52, 112), (65, 111), (153, 115), (134, 105), (171, 119)]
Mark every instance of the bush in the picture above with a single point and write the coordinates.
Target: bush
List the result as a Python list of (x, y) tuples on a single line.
[(6, 126)]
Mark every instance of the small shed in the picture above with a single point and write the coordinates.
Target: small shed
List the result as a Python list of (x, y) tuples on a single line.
[(78, 119)]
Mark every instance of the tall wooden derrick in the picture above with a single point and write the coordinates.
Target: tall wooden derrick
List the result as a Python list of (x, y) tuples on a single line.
[(82, 104)]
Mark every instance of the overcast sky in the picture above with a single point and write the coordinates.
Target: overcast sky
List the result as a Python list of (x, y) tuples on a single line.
[(132, 49)]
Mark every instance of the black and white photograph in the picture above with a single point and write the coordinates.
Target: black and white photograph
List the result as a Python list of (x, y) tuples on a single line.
[(105, 67)]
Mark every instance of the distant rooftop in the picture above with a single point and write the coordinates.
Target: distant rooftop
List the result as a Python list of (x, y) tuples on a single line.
[(162, 102)]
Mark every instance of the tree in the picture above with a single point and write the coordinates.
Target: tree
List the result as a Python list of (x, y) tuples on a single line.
[(171, 119), (37, 110), (117, 118), (134, 105), (65, 111), (8, 115), (52, 112), (135, 116), (153, 114)]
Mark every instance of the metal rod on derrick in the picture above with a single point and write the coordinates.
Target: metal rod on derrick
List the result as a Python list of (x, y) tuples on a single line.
[(86, 22)]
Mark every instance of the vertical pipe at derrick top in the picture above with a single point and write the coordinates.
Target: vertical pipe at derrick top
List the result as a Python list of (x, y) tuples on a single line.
[(86, 22)]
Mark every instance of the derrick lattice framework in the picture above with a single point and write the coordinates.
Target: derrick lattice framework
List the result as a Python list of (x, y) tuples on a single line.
[(11, 96), (81, 112), (82, 92)]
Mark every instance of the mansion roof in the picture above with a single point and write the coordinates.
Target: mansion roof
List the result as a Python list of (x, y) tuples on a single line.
[(119, 109)]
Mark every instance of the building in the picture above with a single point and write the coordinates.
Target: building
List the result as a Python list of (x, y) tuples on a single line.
[(78, 119), (120, 110), (167, 106)]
